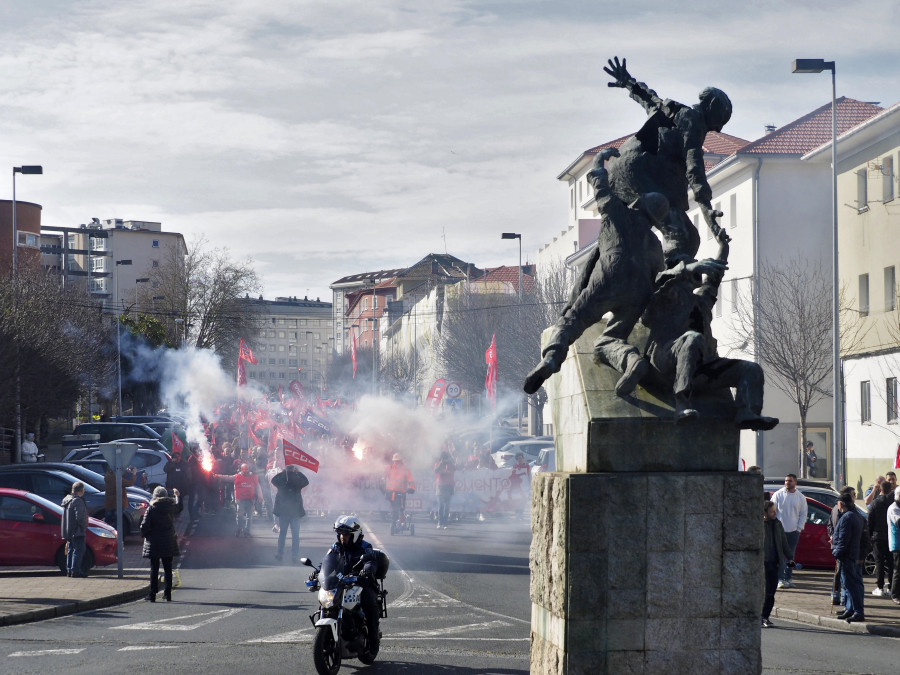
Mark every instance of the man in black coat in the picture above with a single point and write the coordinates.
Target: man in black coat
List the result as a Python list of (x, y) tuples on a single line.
[(289, 508), (848, 547), (877, 529)]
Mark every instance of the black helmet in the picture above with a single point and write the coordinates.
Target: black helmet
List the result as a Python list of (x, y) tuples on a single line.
[(349, 525)]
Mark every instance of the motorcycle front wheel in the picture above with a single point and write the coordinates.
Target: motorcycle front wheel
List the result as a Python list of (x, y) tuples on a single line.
[(326, 654)]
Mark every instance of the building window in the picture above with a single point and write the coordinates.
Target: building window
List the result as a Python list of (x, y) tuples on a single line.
[(891, 383), (155, 263), (732, 215), (280, 362), (887, 179), (156, 243), (865, 402), (734, 295), (281, 376), (292, 362), (271, 362), (252, 375), (366, 303), (281, 334), (864, 295), (862, 196), (890, 289), (374, 304), (281, 348)]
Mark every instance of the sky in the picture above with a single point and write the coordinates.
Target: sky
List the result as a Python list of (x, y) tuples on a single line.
[(328, 138)]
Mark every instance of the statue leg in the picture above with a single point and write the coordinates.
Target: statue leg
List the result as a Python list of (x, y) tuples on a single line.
[(588, 308), (612, 349), (688, 353), (748, 380)]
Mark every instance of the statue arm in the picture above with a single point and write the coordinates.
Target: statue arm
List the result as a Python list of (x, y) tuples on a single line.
[(639, 91), (693, 129)]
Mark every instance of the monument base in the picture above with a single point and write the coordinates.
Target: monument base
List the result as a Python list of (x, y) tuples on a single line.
[(646, 572)]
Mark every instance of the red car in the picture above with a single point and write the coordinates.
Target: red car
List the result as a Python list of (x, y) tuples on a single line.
[(30, 534)]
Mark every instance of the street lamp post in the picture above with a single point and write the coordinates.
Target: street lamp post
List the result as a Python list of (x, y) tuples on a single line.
[(817, 66), (119, 332), (517, 235), (31, 169)]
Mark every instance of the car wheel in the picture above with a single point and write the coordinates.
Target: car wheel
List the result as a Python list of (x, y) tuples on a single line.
[(869, 564), (87, 562)]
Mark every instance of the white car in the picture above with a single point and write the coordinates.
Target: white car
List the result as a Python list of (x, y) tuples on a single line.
[(546, 461), (506, 456)]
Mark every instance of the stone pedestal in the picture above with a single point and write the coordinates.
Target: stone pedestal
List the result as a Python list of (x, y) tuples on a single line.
[(647, 545)]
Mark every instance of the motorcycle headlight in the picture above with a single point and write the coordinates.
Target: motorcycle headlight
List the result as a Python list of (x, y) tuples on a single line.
[(326, 598), (100, 532)]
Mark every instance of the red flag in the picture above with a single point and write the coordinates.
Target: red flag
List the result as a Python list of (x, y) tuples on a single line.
[(245, 354), (296, 388), (490, 380), (294, 455), (253, 437), (897, 461), (435, 395), (280, 394), (242, 374), (353, 351), (177, 445)]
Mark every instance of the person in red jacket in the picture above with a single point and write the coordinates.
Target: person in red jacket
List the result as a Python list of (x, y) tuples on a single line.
[(246, 489)]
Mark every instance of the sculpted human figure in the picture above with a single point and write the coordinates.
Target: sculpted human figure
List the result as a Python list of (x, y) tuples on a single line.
[(618, 278), (682, 349), (666, 156)]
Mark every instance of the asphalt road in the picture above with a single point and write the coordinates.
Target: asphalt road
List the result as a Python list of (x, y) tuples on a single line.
[(457, 603)]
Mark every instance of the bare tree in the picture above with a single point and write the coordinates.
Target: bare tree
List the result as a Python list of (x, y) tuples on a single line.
[(208, 291), (397, 372), (789, 328)]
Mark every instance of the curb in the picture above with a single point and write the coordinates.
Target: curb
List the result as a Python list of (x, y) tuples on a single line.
[(74, 607), (836, 624)]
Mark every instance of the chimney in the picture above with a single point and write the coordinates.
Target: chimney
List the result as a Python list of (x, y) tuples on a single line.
[(770, 128)]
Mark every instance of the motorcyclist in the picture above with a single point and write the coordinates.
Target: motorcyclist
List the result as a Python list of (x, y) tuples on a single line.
[(341, 559)]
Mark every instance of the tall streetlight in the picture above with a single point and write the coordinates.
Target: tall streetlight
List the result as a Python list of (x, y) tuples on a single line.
[(119, 332), (514, 235), (817, 66), (32, 169)]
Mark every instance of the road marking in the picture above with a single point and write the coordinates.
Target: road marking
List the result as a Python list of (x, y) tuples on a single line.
[(139, 648), (452, 629), (163, 624), (44, 652), (293, 636)]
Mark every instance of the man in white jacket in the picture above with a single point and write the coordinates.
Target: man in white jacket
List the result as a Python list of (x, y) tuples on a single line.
[(790, 507)]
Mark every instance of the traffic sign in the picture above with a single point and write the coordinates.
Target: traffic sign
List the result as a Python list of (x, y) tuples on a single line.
[(118, 454), (453, 390)]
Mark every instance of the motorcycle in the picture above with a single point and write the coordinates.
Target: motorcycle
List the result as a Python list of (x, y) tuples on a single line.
[(341, 630)]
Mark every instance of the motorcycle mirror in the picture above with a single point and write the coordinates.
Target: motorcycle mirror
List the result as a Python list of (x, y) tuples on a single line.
[(306, 561)]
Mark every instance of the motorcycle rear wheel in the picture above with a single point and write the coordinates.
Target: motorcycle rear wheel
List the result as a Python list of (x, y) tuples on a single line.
[(326, 654)]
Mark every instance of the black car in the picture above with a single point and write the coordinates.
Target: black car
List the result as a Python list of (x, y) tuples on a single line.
[(142, 443), (116, 431), (138, 500), (51, 484)]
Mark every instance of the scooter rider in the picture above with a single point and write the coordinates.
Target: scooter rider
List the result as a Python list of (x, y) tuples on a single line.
[(344, 554)]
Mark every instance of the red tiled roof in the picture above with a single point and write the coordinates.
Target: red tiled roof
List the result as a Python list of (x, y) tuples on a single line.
[(715, 143), (813, 129), (509, 274)]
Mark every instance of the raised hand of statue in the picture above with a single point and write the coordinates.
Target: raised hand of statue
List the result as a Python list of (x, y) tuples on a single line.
[(710, 215), (709, 266), (618, 72)]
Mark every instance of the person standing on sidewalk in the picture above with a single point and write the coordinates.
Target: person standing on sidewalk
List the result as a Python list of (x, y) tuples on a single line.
[(893, 518), (74, 529), (160, 540), (848, 549), (289, 508), (877, 530), (837, 589), (775, 555), (790, 505), (444, 480)]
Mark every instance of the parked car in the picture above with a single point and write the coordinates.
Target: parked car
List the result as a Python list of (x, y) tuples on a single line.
[(164, 428), (151, 462), (30, 534), (813, 547), (116, 431), (138, 499), (140, 419), (51, 484), (546, 461), (821, 492), (531, 448), (85, 450)]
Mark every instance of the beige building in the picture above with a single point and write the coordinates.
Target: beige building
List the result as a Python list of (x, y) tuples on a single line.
[(95, 256), (869, 258), (293, 342)]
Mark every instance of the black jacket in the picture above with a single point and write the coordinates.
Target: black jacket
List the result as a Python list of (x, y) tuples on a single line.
[(849, 536), (288, 500), (178, 476), (876, 518), (158, 528)]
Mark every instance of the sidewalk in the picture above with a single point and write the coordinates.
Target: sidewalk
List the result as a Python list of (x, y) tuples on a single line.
[(810, 602), (38, 593)]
